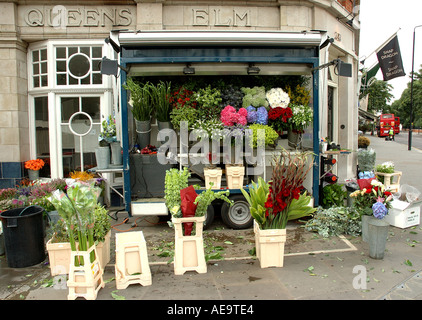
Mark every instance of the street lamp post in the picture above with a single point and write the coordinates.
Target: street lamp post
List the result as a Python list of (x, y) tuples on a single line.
[(411, 90)]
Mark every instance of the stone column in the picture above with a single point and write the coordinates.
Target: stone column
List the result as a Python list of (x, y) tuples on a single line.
[(14, 132)]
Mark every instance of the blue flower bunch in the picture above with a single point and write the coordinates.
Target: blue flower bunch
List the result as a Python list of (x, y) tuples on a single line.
[(252, 116), (262, 116), (259, 115)]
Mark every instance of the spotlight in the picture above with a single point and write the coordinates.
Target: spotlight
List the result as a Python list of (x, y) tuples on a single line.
[(188, 69), (252, 69)]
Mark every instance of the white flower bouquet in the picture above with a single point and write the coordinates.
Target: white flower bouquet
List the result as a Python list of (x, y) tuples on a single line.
[(277, 98)]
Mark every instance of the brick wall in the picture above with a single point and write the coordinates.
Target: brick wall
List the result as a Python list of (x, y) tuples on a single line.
[(348, 4)]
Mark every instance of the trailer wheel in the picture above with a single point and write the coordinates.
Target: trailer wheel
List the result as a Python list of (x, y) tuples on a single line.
[(209, 216), (237, 216)]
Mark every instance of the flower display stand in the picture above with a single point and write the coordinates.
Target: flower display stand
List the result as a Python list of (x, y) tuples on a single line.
[(132, 265), (189, 250), (391, 180), (85, 280), (103, 250), (213, 175), (235, 175), (59, 257), (270, 246)]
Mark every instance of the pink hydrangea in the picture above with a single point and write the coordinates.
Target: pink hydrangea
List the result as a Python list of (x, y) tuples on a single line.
[(229, 117)]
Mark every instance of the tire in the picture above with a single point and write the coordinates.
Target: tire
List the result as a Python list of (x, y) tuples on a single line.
[(209, 216), (238, 216)]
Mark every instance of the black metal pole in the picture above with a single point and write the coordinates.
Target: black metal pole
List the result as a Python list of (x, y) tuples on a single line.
[(411, 90)]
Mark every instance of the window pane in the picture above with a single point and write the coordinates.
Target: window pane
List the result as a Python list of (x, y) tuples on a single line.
[(72, 80), (97, 52), (36, 81), (61, 66), (44, 67), (91, 105), (86, 80), (86, 50), (42, 134), (96, 65), (79, 65), (69, 107), (44, 54), (97, 78), (36, 68), (61, 79), (61, 53), (44, 81), (35, 56), (71, 50)]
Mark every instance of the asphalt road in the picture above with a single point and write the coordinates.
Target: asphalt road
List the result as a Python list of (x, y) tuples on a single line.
[(403, 138)]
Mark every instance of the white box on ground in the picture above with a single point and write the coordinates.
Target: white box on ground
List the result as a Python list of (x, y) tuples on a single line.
[(404, 214)]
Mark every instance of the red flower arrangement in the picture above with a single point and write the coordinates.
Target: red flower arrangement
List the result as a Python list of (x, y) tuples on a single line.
[(288, 176), (182, 98), (34, 164), (278, 118)]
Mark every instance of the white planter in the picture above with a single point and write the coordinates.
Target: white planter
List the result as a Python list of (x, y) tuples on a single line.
[(85, 281), (235, 175), (132, 265), (213, 175), (269, 246), (189, 250)]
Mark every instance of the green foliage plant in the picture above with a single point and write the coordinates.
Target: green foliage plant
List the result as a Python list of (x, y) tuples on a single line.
[(333, 195), (254, 96), (257, 196), (175, 180), (335, 221), (186, 113), (141, 99), (209, 100), (102, 223), (205, 198), (160, 98), (270, 135)]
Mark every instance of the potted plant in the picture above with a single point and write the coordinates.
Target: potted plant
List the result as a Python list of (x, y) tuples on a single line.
[(161, 102), (141, 99), (273, 204), (208, 103), (333, 195), (102, 234), (34, 167), (385, 167), (109, 135), (301, 118), (363, 142), (189, 244), (102, 151), (365, 199), (77, 207)]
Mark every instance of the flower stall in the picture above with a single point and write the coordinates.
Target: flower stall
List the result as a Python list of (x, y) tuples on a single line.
[(233, 97)]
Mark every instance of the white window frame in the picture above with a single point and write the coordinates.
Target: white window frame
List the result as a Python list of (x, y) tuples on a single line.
[(107, 90)]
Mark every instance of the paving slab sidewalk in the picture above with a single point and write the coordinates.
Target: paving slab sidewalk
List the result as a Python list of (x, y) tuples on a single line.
[(345, 273)]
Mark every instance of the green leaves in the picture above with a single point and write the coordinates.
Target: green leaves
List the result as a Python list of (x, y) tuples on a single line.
[(141, 99), (256, 198), (300, 208)]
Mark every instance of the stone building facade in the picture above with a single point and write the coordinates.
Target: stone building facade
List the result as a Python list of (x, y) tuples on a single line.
[(50, 75)]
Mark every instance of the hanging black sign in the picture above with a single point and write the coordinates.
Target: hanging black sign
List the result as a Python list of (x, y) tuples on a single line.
[(389, 58)]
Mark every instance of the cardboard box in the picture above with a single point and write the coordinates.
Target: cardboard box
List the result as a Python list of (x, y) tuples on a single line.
[(404, 214)]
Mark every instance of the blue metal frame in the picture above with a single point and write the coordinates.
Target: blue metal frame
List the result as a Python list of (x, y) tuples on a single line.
[(302, 56)]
